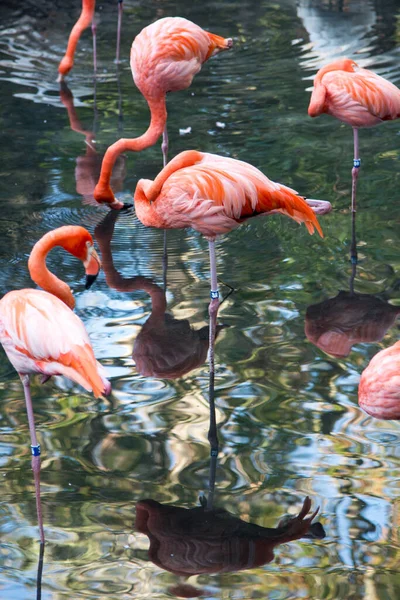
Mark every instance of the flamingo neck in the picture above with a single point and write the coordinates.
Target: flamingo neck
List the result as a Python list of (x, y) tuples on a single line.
[(42, 276), (158, 121), (151, 190), (82, 23)]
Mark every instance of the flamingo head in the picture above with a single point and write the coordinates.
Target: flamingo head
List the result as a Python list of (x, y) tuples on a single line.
[(79, 243), (64, 67)]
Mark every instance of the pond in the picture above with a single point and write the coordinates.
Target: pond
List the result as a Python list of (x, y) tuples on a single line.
[(286, 402)]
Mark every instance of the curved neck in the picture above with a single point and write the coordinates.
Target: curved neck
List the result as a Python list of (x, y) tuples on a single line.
[(85, 18), (158, 121), (40, 273), (181, 161)]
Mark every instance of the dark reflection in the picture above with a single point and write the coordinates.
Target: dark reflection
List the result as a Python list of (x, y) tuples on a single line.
[(379, 388), (39, 573), (200, 540), (349, 318), (88, 165), (166, 347)]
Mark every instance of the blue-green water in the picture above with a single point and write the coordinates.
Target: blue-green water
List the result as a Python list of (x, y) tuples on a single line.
[(290, 425)]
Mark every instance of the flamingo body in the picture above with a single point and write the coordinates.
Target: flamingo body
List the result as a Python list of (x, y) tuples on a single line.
[(379, 388), (166, 55), (213, 195), (354, 95), (40, 334)]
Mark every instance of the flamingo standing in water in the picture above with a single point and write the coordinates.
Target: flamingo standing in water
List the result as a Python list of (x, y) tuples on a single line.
[(40, 333), (85, 19), (357, 97), (165, 56), (213, 195), (379, 389)]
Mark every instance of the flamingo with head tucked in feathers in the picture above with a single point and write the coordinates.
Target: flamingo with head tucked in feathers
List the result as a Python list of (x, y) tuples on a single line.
[(213, 195), (165, 56), (357, 97), (40, 333)]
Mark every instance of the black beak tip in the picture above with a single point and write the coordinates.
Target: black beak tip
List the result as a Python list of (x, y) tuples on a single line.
[(90, 279)]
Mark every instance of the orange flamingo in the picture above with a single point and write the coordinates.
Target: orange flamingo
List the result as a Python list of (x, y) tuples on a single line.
[(357, 97), (379, 389), (213, 195), (40, 333), (165, 57), (85, 19)]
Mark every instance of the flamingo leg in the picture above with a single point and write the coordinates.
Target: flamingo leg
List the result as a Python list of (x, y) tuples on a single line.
[(117, 53), (39, 573), (212, 432), (94, 30), (214, 302), (164, 148), (35, 448), (354, 171)]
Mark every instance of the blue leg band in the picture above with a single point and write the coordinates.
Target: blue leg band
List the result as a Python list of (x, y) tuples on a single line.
[(214, 295), (357, 163), (35, 450)]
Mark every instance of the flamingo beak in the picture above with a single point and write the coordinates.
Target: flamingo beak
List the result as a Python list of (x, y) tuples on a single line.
[(92, 267)]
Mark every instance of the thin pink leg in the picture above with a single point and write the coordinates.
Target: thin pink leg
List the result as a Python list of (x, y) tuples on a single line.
[(117, 53), (214, 303), (355, 170), (94, 29), (35, 448), (164, 148)]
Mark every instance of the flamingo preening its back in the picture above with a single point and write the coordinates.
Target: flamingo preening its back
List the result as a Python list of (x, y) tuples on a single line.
[(40, 333), (165, 56)]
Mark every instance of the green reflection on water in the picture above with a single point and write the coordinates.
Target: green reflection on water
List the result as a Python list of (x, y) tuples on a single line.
[(290, 425)]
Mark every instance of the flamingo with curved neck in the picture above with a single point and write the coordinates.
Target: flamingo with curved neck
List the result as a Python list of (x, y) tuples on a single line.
[(165, 57), (85, 19), (40, 333)]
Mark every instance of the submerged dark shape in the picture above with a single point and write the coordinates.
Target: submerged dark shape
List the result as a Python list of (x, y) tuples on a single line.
[(338, 323), (88, 165), (197, 540), (166, 347)]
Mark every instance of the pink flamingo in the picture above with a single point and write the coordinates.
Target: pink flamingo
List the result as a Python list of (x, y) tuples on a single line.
[(85, 19), (165, 56), (40, 333), (213, 195), (357, 97), (379, 388)]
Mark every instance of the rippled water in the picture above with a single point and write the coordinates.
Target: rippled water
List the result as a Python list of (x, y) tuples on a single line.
[(290, 425)]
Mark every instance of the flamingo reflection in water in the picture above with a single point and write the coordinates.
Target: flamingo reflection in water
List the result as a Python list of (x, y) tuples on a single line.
[(166, 348), (204, 540), (86, 18), (41, 335), (379, 388), (336, 324), (88, 166)]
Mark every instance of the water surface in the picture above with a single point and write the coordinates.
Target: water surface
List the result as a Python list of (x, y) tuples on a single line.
[(290, 425)]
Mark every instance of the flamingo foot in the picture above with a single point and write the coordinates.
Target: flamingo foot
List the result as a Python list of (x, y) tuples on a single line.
[(319, 207)]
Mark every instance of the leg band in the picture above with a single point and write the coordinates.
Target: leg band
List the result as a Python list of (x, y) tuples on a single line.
[(357, 163), (214, 294), (35, 450)]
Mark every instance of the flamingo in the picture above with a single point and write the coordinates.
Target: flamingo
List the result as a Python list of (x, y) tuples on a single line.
[(85, 19), (379, 388), (357, 97), (165, 56), (40, 333), (213, 195)]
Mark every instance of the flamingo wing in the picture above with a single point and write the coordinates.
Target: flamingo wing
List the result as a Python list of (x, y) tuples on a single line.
[(379, 388), (218, 193), (40, 334), (361, 93)]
